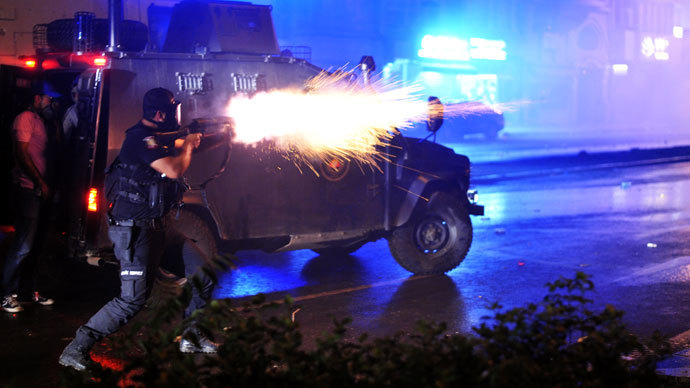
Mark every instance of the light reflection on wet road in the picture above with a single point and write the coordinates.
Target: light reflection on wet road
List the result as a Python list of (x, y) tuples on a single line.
[(534, 231)]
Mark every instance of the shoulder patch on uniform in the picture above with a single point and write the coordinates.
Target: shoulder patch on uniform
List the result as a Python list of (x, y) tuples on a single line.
[(150, 142)]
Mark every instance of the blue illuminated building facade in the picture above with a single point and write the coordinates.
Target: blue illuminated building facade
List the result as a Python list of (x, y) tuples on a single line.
[(578, 62)]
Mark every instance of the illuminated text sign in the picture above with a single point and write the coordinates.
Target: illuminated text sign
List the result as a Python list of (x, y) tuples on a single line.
[(456, 49), (655, 48)]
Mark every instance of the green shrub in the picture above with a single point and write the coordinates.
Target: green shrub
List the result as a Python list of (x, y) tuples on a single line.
[(557, 342)]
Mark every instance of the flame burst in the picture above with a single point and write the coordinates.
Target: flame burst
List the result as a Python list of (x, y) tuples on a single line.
[(333, 117)]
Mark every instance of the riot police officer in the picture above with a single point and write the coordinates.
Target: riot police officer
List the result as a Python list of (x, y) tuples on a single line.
[(142, 187)]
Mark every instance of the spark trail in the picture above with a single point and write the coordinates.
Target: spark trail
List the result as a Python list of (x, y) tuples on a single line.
[(333, 117)]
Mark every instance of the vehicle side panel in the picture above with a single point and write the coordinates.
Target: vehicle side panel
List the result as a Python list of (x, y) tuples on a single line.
[(261, 193)]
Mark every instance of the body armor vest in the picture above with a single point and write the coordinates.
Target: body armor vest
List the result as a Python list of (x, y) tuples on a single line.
[(137, 191)]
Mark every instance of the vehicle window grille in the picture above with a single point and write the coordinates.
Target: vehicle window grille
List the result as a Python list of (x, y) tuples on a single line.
[(194, 83), (299, 52), (248, 83)]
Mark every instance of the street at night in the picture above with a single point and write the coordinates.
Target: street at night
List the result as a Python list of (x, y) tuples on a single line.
[(625, 226), (176, 174)]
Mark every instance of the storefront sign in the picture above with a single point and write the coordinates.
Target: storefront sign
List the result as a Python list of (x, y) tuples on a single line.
[(655, 48), (456, 49)]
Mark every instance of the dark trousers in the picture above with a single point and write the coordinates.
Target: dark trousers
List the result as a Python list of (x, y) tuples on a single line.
[(139, 252), (22, 259)]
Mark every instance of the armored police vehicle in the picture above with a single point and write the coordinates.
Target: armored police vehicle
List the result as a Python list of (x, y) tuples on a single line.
[(240, 197)]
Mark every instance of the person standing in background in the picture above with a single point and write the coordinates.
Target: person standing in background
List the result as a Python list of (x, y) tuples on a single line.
[(34, 150)]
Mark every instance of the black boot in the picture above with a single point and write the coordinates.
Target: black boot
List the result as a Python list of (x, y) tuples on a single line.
[(194, 342), (76, 356), (205, 346)]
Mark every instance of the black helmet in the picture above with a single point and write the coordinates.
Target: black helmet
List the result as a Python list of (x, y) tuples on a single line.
[(160, 99)]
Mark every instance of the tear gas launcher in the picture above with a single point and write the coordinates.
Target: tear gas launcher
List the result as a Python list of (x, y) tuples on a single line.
[(214, 131)]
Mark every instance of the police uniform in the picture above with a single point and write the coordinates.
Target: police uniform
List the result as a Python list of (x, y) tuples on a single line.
[(140, 197)]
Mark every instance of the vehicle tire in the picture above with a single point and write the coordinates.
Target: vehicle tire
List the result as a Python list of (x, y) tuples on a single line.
[(339, 250), (436, 239), (133, 35)]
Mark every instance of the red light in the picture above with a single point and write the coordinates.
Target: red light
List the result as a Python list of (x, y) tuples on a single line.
[(92, 202), (49, 64), (100, 61), (31, 63)]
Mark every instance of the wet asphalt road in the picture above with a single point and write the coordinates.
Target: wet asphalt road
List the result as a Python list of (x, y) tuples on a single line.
[(535, 230)]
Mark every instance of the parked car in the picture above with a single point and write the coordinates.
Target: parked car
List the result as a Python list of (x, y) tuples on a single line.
[(480, 119)]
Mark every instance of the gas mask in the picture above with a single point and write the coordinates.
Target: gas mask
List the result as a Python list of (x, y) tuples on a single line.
[(172, 117)]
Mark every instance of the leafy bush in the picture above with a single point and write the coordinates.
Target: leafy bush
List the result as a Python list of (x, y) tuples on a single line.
[(557, 342)]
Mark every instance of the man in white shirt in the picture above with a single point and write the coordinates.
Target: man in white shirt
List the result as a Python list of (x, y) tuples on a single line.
[(34, 156), (70, 120)]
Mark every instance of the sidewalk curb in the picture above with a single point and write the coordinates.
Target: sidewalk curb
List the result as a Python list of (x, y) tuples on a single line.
[(679, 362), (490, 178), (681, 373)]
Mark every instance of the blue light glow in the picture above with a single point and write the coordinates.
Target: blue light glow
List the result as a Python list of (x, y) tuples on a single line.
[(444, 47), (431, 78), (455, 49), (251, 280), (478, 87), (487, 49)]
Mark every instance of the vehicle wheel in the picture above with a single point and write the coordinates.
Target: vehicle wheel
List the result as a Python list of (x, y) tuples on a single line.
[(436, 239), (339, 250)]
